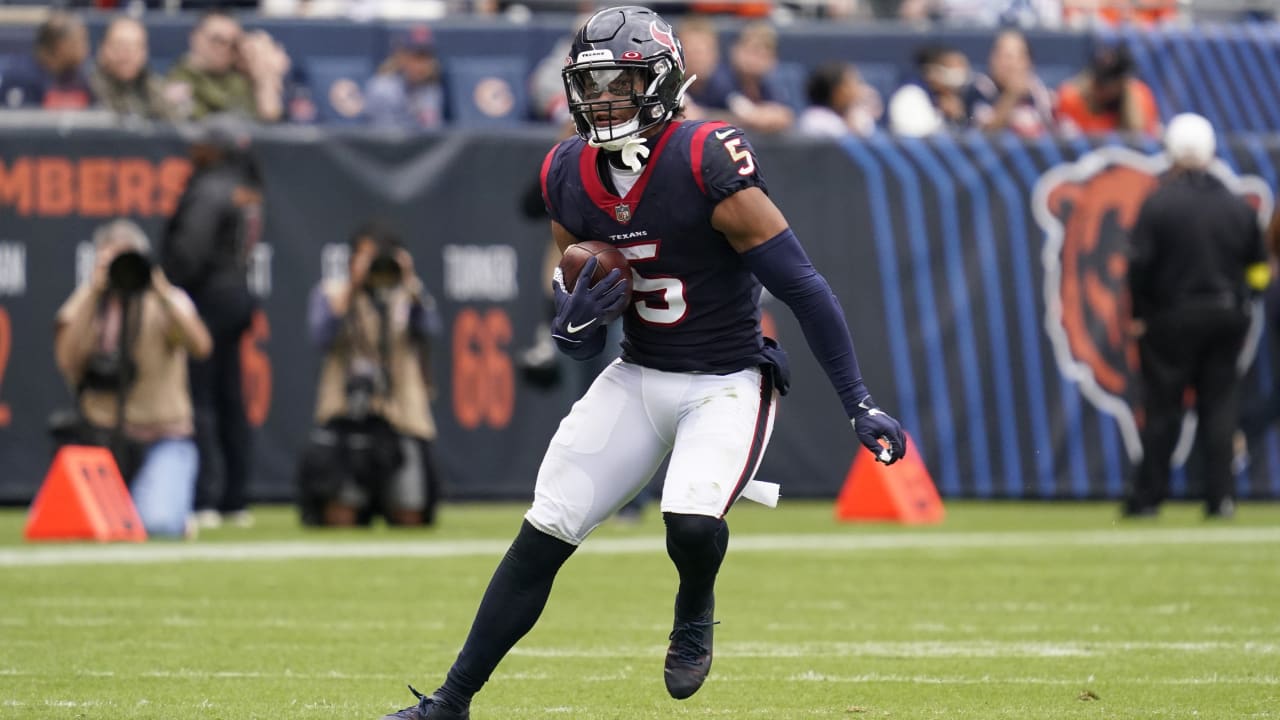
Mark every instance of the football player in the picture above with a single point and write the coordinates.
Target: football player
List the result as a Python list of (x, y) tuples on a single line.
[(685, 202)]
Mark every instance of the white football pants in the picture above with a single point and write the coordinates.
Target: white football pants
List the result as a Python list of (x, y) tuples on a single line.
[(607, 448)]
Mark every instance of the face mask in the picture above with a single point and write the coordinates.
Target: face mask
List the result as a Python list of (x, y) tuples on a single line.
[(951, 78)]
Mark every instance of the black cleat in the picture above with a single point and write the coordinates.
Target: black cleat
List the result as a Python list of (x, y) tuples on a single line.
[(689, 655), (1134, 510), (1225, 510), (428, 708)]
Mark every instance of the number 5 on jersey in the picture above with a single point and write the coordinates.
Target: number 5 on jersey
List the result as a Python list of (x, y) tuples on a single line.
[(739, 154), (658, 299)]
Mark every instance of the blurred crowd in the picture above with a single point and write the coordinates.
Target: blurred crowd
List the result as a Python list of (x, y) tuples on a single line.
[(1103, 97), (1039, 13), (248, 73), (225, 70)]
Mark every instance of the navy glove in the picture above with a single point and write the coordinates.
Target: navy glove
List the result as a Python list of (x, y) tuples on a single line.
[(874, 425), (581, 315)]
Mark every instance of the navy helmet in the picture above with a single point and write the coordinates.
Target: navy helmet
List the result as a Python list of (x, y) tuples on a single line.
[(632, 54)]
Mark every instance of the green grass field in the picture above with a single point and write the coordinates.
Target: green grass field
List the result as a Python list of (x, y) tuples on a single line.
[(1005, 611)]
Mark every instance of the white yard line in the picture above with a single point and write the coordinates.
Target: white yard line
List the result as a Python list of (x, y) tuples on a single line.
[(913, 649), (29, 556), (999, 680), (804, 677)]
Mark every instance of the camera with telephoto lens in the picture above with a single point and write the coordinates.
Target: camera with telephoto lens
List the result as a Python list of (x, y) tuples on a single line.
[(365, 382), (129, 272), (108, 371), (367, 444), (360, 391), (384, 271)]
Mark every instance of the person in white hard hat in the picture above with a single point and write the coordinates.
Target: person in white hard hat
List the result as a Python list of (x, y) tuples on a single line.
[(1196, 259), (1190, 142)]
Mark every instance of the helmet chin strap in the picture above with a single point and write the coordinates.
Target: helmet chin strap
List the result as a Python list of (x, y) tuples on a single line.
[(680, 93), (633, 152), (632, 147)]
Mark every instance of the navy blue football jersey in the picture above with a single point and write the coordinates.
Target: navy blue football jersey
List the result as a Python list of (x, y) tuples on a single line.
[(695, 306)]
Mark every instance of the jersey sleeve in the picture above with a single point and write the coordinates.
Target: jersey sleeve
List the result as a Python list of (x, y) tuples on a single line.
[(724, 161), (549, 180)]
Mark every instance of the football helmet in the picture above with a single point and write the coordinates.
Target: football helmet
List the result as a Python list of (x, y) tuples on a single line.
[(623, 59)]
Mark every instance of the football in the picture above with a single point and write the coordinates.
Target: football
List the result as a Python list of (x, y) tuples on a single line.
[(607, 257)]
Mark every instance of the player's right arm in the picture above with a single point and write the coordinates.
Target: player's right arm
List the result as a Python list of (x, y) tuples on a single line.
[(548, 180), (579, 327), (576, 327), (562, 237)]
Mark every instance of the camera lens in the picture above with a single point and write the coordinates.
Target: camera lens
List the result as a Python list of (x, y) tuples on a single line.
[(384, 271), (129, 272)]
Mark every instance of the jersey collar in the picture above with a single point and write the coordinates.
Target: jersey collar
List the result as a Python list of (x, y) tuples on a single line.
[(608, 202)]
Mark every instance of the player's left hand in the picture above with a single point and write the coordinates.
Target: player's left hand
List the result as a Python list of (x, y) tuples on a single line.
[(879, 432)]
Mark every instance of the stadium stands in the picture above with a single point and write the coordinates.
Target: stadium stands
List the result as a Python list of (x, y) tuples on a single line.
[(1225, 72), (487, 91), (331, 79)]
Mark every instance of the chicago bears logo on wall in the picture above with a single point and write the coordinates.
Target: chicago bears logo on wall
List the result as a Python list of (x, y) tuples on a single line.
[(1086, 209)]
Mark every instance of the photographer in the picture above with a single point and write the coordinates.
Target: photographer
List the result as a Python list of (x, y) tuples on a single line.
[(370, 452), (122, 343)]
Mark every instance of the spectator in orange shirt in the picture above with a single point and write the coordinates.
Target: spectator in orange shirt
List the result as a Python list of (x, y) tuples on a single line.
[(747, 9), (1143, 13), (1107, 98)]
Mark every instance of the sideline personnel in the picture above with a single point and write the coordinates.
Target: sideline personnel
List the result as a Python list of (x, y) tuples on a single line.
[(1196, 258)]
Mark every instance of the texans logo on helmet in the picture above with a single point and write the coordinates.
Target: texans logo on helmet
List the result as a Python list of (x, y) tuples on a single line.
[(1086, 209), (662, 35)]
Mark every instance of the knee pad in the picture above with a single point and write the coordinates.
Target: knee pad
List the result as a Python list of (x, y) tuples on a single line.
[(694, 530)]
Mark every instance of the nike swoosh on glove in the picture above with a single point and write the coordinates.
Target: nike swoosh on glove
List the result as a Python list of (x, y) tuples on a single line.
[(578, 327), (874, 425)]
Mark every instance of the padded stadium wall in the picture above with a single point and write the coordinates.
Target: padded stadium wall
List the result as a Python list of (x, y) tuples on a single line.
[(982, 278)]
